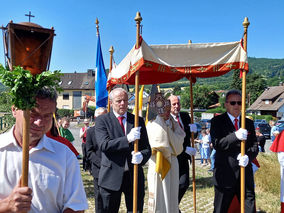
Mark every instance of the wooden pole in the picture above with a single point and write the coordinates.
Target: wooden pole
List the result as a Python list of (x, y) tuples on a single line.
[(138, 20), (192, 142), (111, 51), (25, 147), (245, 24)]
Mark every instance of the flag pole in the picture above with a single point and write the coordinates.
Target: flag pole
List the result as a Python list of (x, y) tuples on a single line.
[(111, 51), (192, 144), (138, 20), (245, 25)]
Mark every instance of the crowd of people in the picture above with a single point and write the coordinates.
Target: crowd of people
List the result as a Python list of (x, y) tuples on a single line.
[(164, 144)]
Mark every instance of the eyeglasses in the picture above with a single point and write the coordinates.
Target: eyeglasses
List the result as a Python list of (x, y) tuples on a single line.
[(233, 103)]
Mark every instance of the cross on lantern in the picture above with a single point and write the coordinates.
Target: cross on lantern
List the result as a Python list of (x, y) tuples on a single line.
[(30, 15)]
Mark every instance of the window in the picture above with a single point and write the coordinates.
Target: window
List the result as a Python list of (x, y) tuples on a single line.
[(266, 102), (65, 107), (69, 82), (65, 96)]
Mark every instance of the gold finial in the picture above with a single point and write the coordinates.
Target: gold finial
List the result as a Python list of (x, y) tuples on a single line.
[(246, 22), (111, 50), (138, 17), (97, 26), (189, 42)]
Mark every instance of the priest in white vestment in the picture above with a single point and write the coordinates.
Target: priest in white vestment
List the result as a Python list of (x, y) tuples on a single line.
[(166, 139)]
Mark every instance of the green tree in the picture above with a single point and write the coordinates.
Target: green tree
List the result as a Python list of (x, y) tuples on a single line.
[(177, 90), (202, 97), (236, 80), (255, 86)]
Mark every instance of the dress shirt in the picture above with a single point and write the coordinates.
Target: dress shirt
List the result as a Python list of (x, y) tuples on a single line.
[(233, 119), (175, 118), (123, 121), (54, 174)]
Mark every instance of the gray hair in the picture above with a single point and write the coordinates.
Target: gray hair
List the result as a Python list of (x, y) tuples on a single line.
[(99, 111), (47, 93), (119, 89), (233, 92)]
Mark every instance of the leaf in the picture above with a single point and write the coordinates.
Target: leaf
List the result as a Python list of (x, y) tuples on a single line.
[(23, 85)]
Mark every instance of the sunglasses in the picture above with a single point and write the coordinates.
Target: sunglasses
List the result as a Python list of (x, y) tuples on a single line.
[(233, 103)]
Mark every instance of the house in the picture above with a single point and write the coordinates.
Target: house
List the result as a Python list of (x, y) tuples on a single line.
[(270, 102), (75, 87)]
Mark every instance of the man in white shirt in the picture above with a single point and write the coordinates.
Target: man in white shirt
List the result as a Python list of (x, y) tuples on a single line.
[(54, 182)]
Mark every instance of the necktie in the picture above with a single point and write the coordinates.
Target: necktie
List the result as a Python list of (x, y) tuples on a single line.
[(236, 124), (120, 119), (179, 121)]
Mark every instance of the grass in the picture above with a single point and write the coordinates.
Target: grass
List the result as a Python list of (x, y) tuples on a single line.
[(267, 181)]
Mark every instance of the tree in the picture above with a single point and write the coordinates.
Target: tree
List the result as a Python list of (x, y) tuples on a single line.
[(203, 97), (255, 86), (236, 81), (177, 90)]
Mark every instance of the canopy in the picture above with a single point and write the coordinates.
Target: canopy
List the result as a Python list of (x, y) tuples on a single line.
[(167, 63)]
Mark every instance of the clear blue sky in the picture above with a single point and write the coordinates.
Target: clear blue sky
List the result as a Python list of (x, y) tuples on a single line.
[(164, 22)]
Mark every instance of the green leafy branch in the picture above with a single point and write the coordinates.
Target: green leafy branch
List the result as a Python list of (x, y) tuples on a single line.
[(24, 86)]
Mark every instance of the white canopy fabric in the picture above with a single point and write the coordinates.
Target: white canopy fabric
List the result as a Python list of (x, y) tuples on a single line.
[(167, 63)]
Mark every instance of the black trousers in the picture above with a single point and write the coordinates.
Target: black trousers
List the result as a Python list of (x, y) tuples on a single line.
[(98, 198), (224, 197), (111, 199), (183, 177), (86, 162)]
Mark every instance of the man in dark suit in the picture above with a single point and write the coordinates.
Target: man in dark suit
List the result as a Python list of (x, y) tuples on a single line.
[(115, 134), (226, 136), (94, 156), (185, 123)]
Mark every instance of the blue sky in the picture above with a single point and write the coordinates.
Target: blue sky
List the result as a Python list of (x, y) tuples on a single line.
[(164, 22)]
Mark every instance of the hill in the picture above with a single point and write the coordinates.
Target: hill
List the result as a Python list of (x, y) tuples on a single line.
[(271, 69)]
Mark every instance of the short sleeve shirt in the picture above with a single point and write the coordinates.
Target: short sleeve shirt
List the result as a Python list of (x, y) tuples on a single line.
[(54, 174)]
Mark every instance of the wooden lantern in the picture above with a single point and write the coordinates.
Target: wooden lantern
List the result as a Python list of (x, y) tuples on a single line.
[(28, 45)]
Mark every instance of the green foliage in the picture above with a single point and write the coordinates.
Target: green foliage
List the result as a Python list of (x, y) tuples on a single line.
[(236, 81), (5, 101), (217, 110), (202, 97), (255, 86), (65, 112), (23, 85)]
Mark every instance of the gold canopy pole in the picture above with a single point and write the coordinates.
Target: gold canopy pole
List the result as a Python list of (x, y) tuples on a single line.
[(245, 24), (192, 142), (111, 51), (138, 20)]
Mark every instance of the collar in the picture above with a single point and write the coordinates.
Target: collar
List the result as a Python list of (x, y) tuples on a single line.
[(44, 142), (11, 141), (232, 118), (175, 116), (117, 115)]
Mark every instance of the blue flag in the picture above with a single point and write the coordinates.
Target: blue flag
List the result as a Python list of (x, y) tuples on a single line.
[(101, 79)]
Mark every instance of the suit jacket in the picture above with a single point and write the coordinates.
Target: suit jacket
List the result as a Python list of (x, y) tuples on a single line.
[(227, 146), (185, 120), (116, 150), (93, 152)]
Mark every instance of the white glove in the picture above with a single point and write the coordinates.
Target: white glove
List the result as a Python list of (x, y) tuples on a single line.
[(137, 157), (193, 127), (190, 151), (243, 160), (241, 134), (134, 134)]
